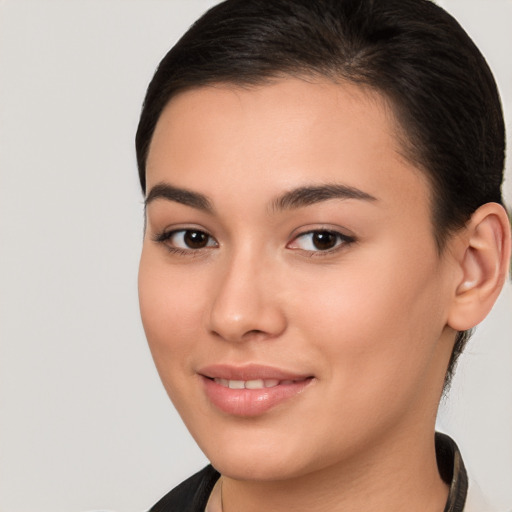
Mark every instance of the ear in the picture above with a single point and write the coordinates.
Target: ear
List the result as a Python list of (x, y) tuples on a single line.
[(483, 258)]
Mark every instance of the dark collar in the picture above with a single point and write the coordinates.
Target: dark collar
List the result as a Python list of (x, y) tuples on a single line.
[(452, 470), (192, 495)]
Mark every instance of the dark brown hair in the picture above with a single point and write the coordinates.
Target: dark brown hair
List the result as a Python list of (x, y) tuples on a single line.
[(414, 53)]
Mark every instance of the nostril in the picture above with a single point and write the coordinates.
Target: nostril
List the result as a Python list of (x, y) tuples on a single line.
[(235, 317), (253, 332)]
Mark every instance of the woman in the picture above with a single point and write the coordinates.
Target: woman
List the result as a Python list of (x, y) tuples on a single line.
[(323, 228)]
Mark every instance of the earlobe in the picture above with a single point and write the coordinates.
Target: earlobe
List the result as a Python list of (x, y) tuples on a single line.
[(484, 265)]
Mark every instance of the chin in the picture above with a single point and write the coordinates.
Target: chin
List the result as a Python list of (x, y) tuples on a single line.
[(258, 455), (256, 468)]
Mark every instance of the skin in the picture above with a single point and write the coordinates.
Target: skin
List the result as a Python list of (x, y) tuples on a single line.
[(369, 319)]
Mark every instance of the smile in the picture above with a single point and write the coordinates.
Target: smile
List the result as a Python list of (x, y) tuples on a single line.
[(251, 390), (253, 384)]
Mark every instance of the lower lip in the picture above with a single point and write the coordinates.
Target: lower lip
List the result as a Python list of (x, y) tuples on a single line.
[(251, 402)]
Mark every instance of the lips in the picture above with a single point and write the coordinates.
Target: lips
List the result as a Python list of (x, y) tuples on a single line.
[(251, 384), (250, 390)]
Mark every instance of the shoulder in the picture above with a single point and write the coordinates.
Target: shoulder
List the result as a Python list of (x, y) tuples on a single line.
[(191, 495), (465, 494)]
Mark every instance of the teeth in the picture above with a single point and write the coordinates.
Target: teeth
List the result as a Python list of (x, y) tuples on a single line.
[(236, 384), (254, 384), (250, 384)]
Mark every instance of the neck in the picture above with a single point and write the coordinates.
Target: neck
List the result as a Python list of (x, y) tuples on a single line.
[(399, 477)]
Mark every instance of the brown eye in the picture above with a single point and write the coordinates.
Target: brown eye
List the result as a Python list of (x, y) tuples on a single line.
[(195, 239), (321, 240), (186, 240), (324, 240)]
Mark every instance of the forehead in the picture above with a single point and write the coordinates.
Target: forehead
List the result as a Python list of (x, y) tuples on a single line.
[(283, 134)]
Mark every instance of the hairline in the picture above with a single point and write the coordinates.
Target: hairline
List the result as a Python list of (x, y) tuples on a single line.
[(405, 146)]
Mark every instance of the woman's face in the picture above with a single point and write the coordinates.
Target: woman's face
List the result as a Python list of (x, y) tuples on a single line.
[(291, 292)]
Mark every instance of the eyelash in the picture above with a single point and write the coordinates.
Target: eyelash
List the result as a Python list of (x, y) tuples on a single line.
[(341, 241), (165, 236)]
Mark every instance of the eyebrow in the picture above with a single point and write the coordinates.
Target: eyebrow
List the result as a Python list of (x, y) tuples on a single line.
[(179, 195), (308, 195), (296, 198)]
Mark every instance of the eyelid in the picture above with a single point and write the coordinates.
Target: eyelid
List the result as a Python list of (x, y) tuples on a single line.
[(163, 237), (343, 240)]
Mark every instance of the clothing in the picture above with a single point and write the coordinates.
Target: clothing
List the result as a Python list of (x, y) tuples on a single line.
[(192, 494)]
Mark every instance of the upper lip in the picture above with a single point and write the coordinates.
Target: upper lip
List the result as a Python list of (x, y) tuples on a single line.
[(249, 372)]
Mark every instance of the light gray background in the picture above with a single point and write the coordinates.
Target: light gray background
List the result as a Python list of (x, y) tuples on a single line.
[(84, 421)]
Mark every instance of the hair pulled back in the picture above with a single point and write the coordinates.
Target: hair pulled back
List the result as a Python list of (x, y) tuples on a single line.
[(415, 54)]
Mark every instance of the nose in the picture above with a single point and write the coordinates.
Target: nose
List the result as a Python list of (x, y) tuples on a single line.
[(245, 304)]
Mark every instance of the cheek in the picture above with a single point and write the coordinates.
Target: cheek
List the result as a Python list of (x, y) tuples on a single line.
[(171, 310), (377, 320)]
